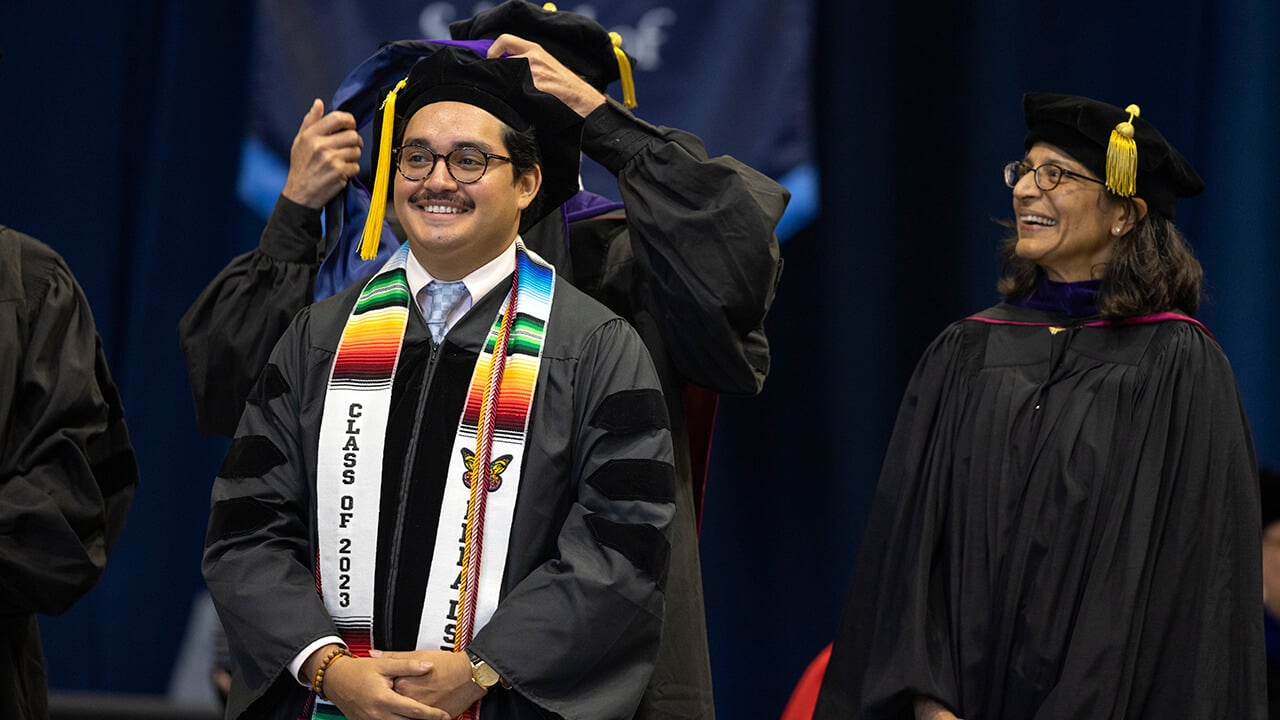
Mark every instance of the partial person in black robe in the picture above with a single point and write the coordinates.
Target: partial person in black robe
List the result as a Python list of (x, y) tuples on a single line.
[(691, 262), (67, 468), (579, 608), (1066, 524)]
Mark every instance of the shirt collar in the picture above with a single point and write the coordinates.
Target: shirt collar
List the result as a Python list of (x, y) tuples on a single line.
[(479, 281)]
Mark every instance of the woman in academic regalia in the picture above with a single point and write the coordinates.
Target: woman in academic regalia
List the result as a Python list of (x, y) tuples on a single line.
[(1066, 524)]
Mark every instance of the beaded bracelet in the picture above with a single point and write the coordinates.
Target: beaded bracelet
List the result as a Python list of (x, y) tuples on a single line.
[(317, 682)]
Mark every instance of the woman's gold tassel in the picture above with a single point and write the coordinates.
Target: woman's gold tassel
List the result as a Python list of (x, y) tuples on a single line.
[(1122, 157)]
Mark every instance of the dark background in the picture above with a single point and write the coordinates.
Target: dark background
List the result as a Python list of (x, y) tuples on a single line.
[(120, 128)]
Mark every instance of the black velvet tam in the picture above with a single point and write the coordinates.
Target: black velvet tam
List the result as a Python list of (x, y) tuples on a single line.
[(582, 44), (1081, 127)]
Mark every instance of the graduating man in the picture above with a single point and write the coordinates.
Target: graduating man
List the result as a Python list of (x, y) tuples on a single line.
[(426, 506), (692, 263)]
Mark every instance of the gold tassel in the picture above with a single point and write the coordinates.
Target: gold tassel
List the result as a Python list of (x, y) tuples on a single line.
[(1122, 157), (624, 65), (624, 69), (381, 178)]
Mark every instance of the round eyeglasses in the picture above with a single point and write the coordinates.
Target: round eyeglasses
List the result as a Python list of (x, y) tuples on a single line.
[(465, 164), (1047, 176)]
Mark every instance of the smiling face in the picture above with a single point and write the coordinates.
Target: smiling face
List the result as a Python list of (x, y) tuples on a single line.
[(1068, 231), (452, 227)]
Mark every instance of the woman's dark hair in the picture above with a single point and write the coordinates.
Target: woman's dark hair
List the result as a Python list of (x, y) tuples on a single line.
[(1152, 269)]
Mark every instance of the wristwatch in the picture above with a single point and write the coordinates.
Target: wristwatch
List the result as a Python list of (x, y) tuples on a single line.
[(483, 675)]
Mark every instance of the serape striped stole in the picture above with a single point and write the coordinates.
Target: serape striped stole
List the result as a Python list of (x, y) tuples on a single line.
[(475, 517)]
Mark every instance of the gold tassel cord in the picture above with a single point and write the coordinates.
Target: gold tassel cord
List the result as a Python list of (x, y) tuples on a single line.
[(1122, 157), (381, 179), (624, 69), (624, 64)]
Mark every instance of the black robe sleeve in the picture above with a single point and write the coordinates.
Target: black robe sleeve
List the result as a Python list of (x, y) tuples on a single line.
[(228, 333), (702, 233), (870, 673), (258, 561), (67, 467)]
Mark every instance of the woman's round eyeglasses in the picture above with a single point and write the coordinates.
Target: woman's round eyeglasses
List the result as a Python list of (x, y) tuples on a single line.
[(1047, 176)]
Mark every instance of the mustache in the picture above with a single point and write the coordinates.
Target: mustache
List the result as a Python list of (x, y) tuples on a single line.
[(427, 197)]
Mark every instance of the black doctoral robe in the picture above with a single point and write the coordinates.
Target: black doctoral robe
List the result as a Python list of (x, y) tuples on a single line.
[(580, 613), (1066, 526), (67, 468)]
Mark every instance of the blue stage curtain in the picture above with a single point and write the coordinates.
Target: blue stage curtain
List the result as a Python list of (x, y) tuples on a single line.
[(120, 133)]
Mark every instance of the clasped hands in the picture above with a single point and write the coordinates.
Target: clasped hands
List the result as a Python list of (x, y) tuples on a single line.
[(424, 684)]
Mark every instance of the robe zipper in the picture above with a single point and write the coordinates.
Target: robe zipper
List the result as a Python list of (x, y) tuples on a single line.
[(411, 453)]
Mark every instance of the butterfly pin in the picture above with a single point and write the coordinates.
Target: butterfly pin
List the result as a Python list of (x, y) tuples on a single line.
[(496, 469)]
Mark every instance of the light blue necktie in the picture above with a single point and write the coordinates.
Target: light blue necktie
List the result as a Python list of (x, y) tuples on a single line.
[(441, 297)]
